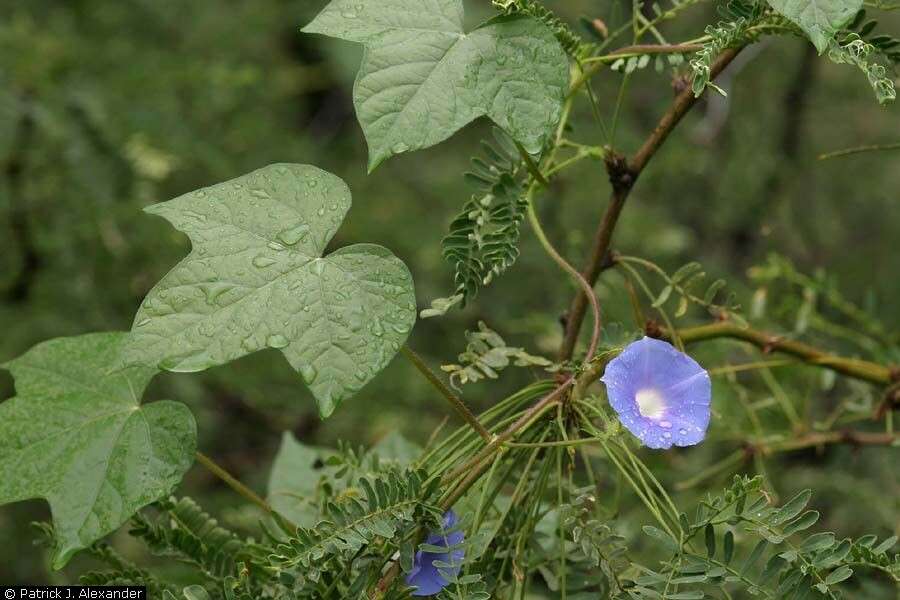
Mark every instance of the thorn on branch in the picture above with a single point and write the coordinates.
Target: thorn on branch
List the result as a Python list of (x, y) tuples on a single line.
[(620, 174)]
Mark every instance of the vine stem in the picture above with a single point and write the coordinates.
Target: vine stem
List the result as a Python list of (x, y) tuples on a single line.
[(847, 436), (558, 443), (476, 463), (643, 50), (565, 266), (236, 485), (767, 342), (852, 367), (858, 149), (455, 401), (623, 173), (472, 470)]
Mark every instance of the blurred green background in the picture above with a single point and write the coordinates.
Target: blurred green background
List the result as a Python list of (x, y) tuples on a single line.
[(109, 106)]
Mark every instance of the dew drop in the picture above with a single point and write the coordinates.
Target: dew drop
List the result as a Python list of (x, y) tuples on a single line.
[(276, 340), (309, 373), (263, 261), (294, 234), (189, 362), (400, 148), (142, 322), (682, 431), (376, 329), (215, 291)]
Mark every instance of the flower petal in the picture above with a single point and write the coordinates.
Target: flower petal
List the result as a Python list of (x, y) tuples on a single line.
[(661, 395), (425, 576)]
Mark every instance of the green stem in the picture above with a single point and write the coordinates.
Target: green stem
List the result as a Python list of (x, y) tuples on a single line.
[(455, 401), (239, 487), (558, 443), (572, 271), (859, 149), (531, 166), (858, 369)]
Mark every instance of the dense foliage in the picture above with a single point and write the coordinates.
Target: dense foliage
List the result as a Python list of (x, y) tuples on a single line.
[(573, 477)]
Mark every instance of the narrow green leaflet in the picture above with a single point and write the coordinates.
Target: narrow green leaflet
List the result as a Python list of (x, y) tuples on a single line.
[(256, 279), (423, 78), (819, 19), (77, 435)]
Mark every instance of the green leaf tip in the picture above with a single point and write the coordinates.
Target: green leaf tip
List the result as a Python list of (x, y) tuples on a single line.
[(423, 77), (257, 279), (98, 455)]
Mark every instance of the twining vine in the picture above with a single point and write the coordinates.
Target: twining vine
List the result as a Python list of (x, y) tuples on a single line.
[(511, 502)]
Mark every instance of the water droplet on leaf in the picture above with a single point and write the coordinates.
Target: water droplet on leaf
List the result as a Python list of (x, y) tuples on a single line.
[(277, 341), (294, 234), (263, 261), (309, 373)]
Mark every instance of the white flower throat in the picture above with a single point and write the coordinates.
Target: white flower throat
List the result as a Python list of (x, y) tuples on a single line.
[(650, 403)]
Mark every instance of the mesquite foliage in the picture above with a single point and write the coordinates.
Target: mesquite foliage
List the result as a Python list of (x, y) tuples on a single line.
[(552, 490)]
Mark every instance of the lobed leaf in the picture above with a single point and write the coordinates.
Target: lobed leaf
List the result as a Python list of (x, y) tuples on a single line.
[(423, 77), (256, 279), (819, 19), (77, 435)]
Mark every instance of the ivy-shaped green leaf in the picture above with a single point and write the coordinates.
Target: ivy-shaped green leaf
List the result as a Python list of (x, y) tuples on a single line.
[(256, 279), (77, 435), (819, 19), (423, 77)]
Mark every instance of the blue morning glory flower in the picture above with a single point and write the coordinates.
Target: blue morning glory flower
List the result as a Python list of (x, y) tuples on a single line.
[(660, 394), (424, 575)]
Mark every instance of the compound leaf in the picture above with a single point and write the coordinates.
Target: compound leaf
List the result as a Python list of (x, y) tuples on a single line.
[(819, 19), (77, 435), (423, 78), (256, 279)]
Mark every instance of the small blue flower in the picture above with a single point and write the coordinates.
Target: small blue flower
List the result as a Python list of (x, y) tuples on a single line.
[(424, 575), (660, 394)]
